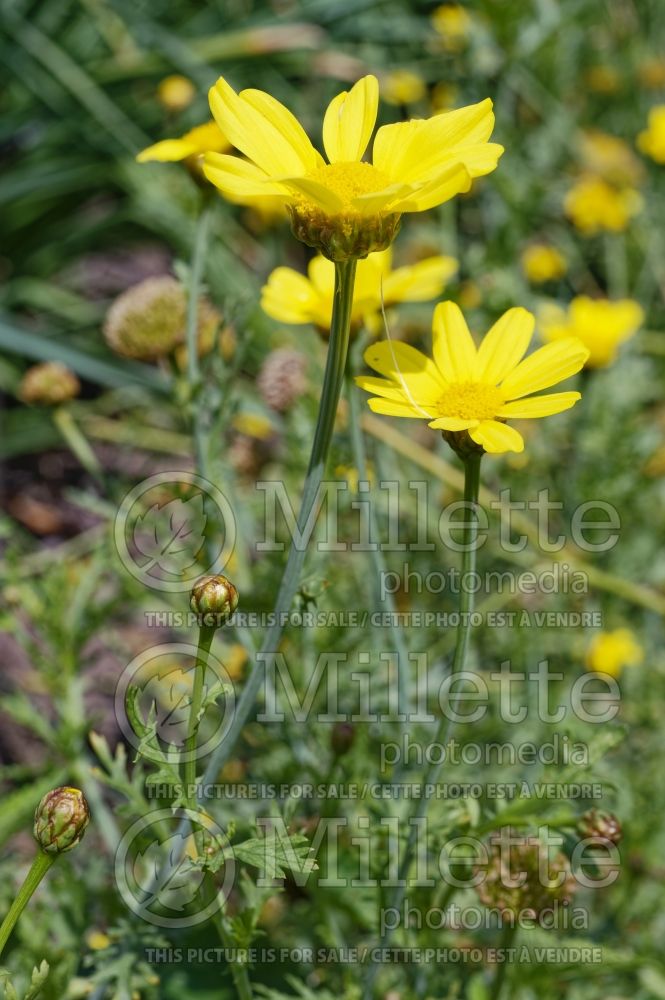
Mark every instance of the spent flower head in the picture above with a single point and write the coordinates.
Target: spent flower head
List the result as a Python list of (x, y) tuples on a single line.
[(469, 392), (60, 820), (149, 320), (48, 384), (347, 207), (601, 325), (290, 297)]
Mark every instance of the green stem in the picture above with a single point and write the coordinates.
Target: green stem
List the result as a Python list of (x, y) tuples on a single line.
[(332, 385), (77, 443), (238, 969), (206, 635), (446, 724), (359, 458), (507, 941), (193, 291), (38, 870)]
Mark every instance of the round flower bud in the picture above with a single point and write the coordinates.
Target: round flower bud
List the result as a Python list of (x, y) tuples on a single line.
[(282, 379), (342, 738), (214, 599), (60, 820), (149, 320), (521, 879), (600, 825), (49, 383), (176, 92)]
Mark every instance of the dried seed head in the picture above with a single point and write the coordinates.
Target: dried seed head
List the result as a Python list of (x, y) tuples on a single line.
[(282, 379), (49, 384)]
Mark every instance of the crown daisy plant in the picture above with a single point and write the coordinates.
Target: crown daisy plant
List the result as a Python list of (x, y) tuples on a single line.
[(469, 393)]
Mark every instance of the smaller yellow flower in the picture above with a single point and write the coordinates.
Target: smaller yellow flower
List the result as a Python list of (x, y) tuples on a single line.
[(652, 140), (453, 23), (290, 297), (444, 97), (97, 940), (609, 157), (543, 263), (603, 79), (176, 92), (601, 325), (470, 392), (594, 205), (193, 144), (610, 652), (402, 86)]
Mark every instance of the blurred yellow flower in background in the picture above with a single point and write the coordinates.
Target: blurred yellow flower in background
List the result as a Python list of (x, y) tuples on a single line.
[(600, 324), (453, 22), (473, 390), (402, 86), (651, 73), (610, 157), (652, 140), (290, 297), (444, 96), (594, 205), (191, 145), (603, 79), (610, 652), (541, 263), (176, 92)]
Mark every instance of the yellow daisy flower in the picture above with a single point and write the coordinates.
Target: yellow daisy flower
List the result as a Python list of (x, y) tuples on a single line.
[(594, 205), (453, 23), (601, 325), (609, 157), (403, 86), (541, 263), (610, 652), (473, 390), (652, 140), (196, 142), (347, 207), (290, 297)]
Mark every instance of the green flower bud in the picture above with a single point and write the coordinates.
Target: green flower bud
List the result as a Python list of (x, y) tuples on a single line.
[(214, 599), (49, 384), (60, 820), (600, 825)]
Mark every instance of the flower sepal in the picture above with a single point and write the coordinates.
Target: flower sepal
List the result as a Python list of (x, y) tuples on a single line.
[(344, 237)]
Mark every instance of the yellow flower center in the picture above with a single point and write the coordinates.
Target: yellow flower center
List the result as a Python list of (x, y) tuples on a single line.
[(470, 401), (349, 180)]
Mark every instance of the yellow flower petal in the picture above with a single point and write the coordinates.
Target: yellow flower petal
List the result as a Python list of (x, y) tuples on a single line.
[(546, 366), (238, 179), (384, 200), (496, 437), (415, 373), (418, 282), (263, 129), (201, 139), (393, 409), (289, 297), (455, 179), (505, 345), (454, 349), (389, 142), (382, 387), (453, 424), (349, 121), (539, 406), (314, 191)]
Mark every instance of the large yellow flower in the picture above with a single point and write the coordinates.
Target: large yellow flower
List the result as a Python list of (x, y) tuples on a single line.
[(601, 325), (469, 389), (290, 297), (347, 207)]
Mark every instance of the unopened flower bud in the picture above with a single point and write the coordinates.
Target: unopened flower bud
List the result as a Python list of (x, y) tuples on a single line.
[(600, 825), (342, 738), (214, 599), (60, 820), (49, 384)]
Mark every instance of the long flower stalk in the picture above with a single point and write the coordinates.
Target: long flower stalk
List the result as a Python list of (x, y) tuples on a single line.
[(446, 724), (38, 870)]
